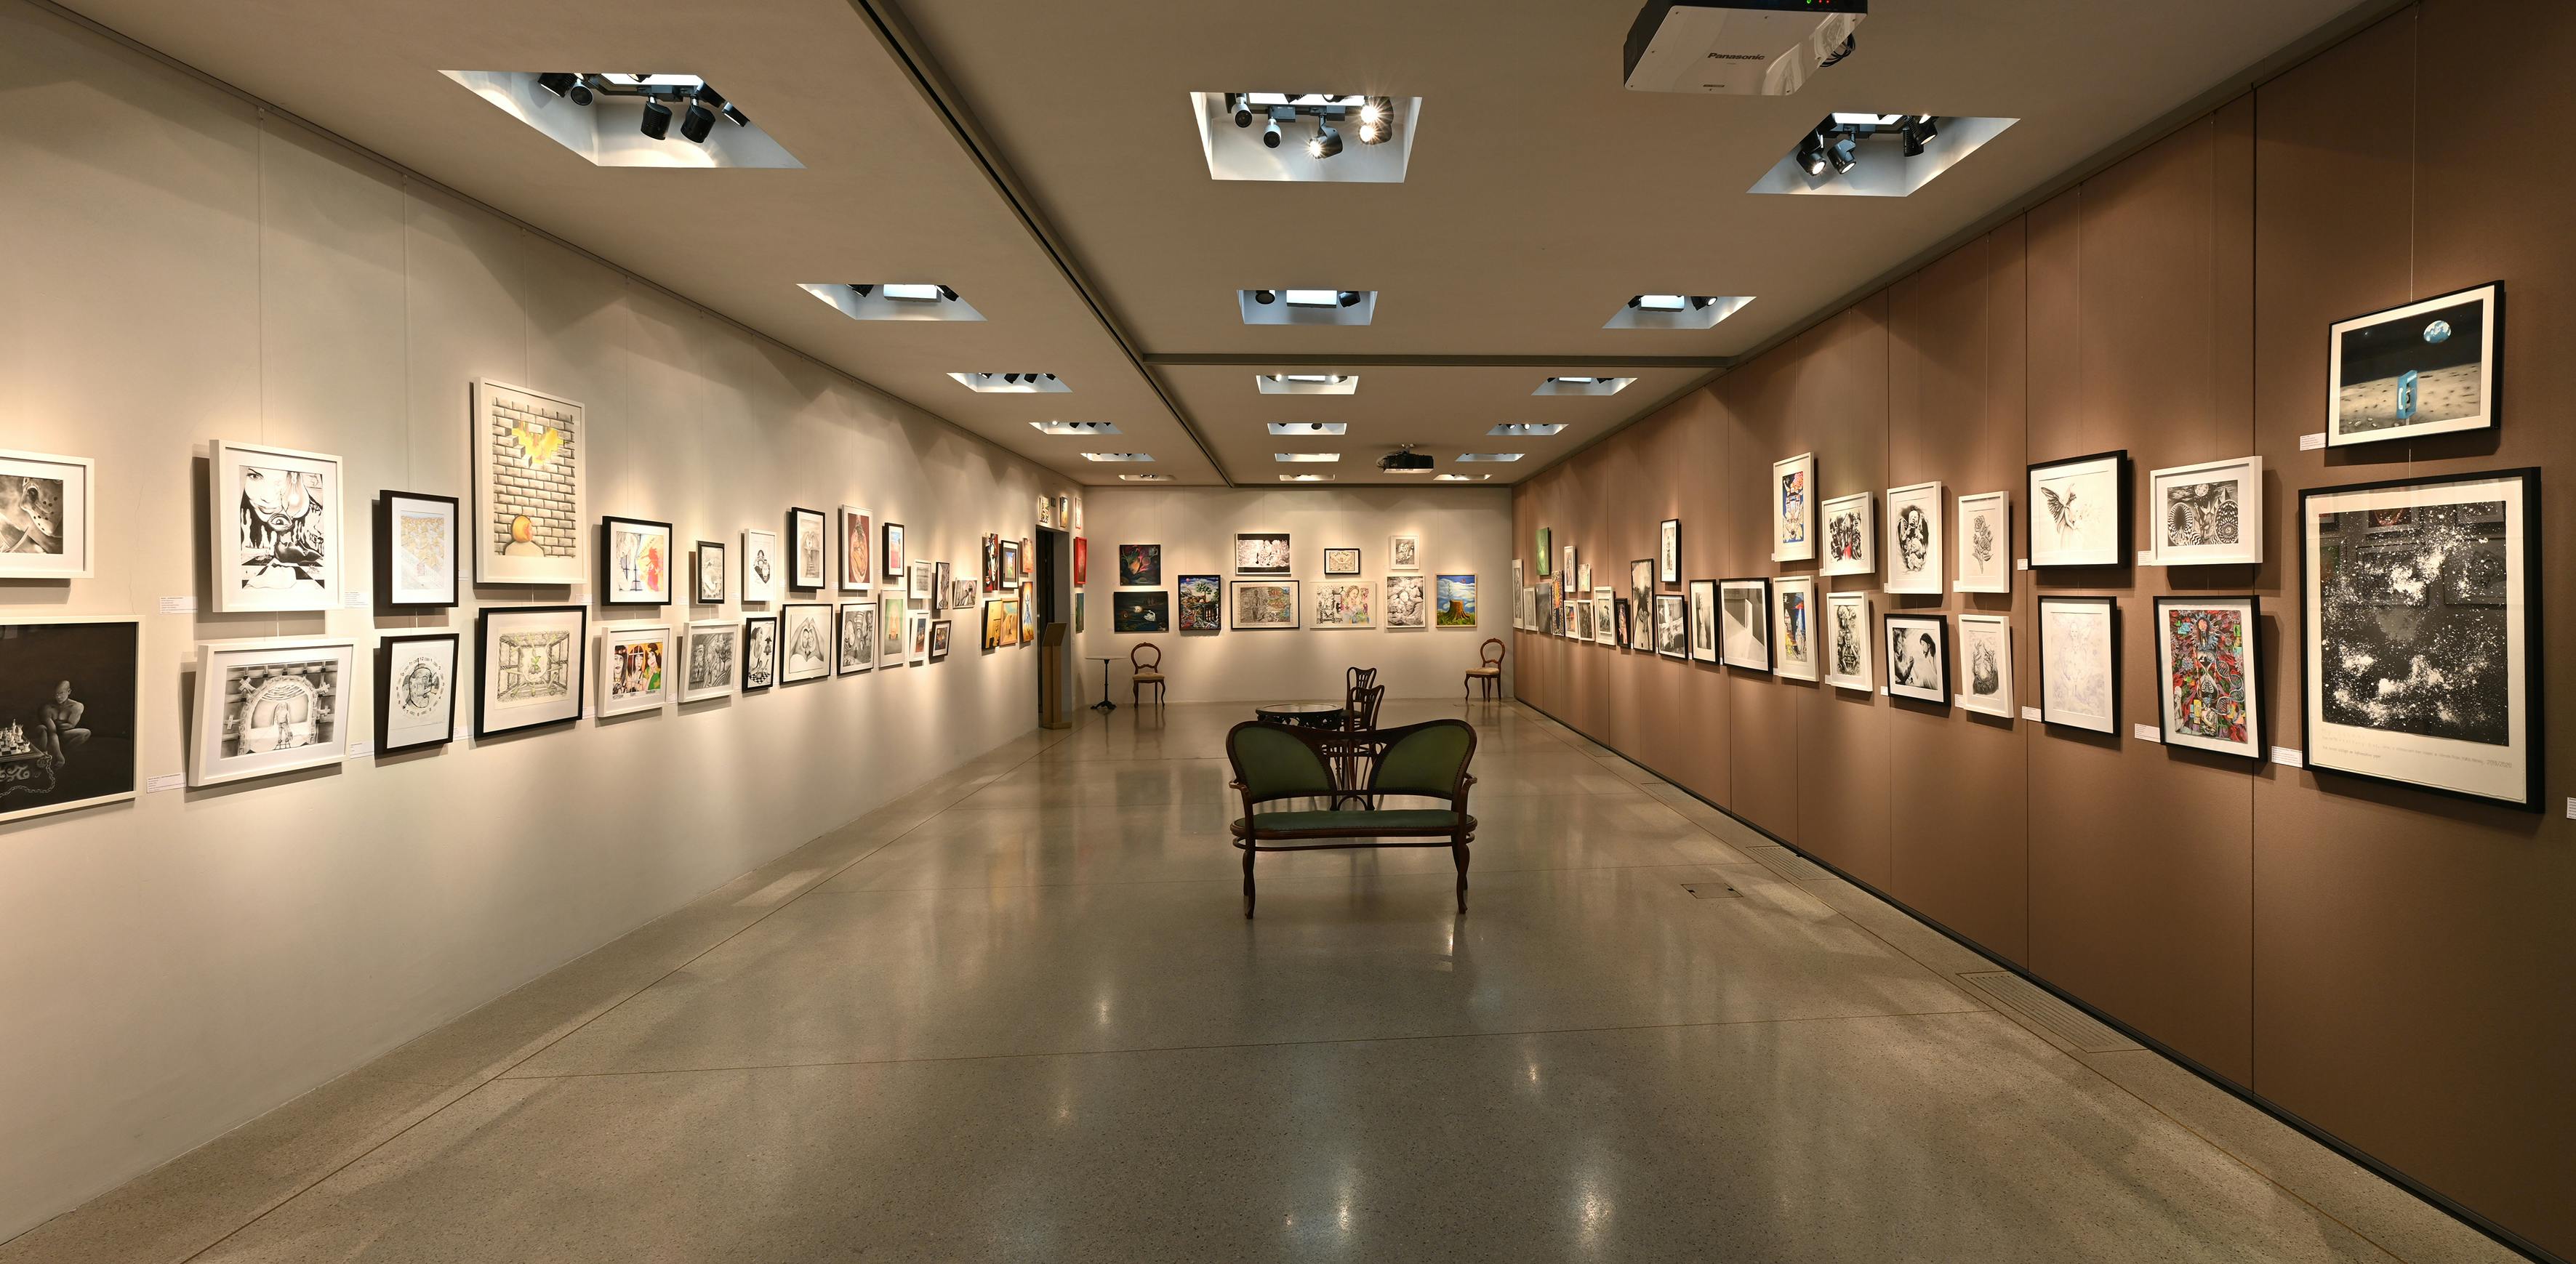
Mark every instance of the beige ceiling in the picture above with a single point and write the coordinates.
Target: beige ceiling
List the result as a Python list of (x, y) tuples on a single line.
[(1541, 193)]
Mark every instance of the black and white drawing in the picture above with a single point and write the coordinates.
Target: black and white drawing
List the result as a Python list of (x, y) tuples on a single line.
[(764, 572), (759, 652), (1850, 535), (2422, 608), (1918, 657), (530, 451), (1668, 551), (69, 694), (1262, 553), (1985, 664), (857, 644), (2423, 369), (1641, 605), (711, 572), (1985, 543), (2079, 684), (415, 691), (1914, 516), (47, 516), (712, 648), (1704, 644), (1341, 562), (270, 706), (808, 549), (275, 528), (2078, 511), (1408, 604), (634, 670), (805, 642), (1672, 625), (530, 668), (1744, 622), (2206, 514), (1403, 553), (1847, 634)]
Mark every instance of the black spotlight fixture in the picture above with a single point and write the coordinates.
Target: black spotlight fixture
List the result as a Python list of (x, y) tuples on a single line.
[(1349, 298), (1700, 302), (1377, 120), (1265, 297), (1844, 154), (1811, 154), (1270, 135), (863, 290), (1325, 143), (565, 84), (1918, 130), (698, 122), (657, 119)]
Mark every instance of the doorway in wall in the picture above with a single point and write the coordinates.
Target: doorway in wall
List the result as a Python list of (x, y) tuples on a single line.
[(1054, 584)]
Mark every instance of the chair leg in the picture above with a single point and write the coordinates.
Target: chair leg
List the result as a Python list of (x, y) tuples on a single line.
[(1248, 853), (1458, 852)]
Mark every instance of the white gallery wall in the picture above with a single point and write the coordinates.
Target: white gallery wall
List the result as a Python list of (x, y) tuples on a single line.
[(1463, 529), (181, 268)]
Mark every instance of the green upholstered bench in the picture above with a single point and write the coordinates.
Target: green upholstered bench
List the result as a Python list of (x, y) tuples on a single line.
[(1274, 762)]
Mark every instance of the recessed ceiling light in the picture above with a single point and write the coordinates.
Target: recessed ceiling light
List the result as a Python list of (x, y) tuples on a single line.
[(1306, 456), (1117, 456), (904, 301), (1460, 478), (1527, 428), (1144, 478), (1307, 383), (1489, 456), (1305, 478), (1309, 427), (624, 120), (1877, 155), (1307, 307), (1076, 427), (1583, 385), (1675, 311), (1244, 135), (1012, 383)]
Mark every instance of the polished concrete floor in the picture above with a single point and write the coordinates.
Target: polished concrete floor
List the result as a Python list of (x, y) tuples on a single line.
[(1018, 1015)]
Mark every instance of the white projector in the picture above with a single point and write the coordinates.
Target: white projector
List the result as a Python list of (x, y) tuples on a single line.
[(1744, 47)]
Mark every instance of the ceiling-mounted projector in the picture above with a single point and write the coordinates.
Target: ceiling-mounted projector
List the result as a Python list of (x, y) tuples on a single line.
[(1744, 47), (1405, 462)]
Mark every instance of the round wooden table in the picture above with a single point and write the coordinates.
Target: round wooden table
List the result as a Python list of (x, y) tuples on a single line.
[(1307, 715)]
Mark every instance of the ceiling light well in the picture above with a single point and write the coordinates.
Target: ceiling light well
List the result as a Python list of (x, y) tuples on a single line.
[(1676, 311), (1307, 383), (1306, 137), (1075, 427), (1518, 429), (1309, 429), (626, 120), (902, 301), (1859, 154), (1583, 385), (1012, 383), (1286, 306), (1309, 458), (1117, 456)]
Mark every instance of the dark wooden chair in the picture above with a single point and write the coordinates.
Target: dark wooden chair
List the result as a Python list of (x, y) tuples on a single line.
[(1144, 673), (1429, 760), (1359, 739), (1488, 669)]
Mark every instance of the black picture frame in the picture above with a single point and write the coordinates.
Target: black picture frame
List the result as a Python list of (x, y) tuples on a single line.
[(384, 551), (608, 524), (2039, 660), (1668, 574), (890, 554), (2259, 724), (483, 667), (797, 516), (698, 565), (2535, 720), (772, 681), (385, 690), (1888, 623), (2491, 347), (2120, 547)]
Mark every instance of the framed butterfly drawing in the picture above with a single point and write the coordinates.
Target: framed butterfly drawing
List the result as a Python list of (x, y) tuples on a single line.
[(2079, 514)]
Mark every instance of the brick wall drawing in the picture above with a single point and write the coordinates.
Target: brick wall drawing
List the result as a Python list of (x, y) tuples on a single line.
[(530, 450)]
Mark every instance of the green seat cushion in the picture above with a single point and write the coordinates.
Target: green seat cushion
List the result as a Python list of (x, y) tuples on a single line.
[(1359, 823)]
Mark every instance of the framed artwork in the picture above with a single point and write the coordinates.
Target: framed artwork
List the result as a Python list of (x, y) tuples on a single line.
[(1793, 508), (1914, 538), (2426, 368), (805, 642), (634, 670), (1641, 592), (69, 720), (1703, 620), (1851, 534), (1847, 633), (992, 562), (1202, 601), (713, 646), (1565, 565), (1404, 553), (759, 652), (1985, 664), (2079, 685), (1408, 601), (1544, 552), (808, 552), (961, 591), (1082, 561), (1140, 565), (857, 525), (1581, 627), (920, 579), (761, 565), (528, 673), (49, 515), (1028, 558), (2210, 514), (992, 622), (1341, 561), (1672, 626), (415, 533), (938, 587), (1140, 611), (1793, 627), (892, 551), (2420, 601), (890, 614), (2206, 675), (1345, 605), (1744, 622), (1015, 628), (273, 524), (1605, 622), (708, 560), (1985, 543), (265, 706), (1620, 615), (1918, 657), (1456, 601), (2079, 513), (1010, 556), (1263, 604), (415, 691), (916, 638), (856, 647), (634, 562), (1583, 584), (1262, 553), (1668, 554), (938, 640), (530, 451)]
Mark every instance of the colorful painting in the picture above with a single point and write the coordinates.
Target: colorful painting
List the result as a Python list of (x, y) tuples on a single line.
[(1345, 605), (1141, 611), (2204, 665), (1456, 606), (1264, 604), (1140, 565), (1201, 599)]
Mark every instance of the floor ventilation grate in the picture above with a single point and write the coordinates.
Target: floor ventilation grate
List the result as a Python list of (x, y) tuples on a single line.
[(1799, 867), (2040, 1006), (1710, 890)]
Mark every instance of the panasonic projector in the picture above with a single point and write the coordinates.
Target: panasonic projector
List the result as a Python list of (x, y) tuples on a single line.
[(1743, 47)]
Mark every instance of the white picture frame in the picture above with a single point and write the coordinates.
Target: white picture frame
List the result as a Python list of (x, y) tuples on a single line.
[(1986, 665), (918, 579), (854, 636), (48, 516), (1404, 553), (2079, 511), (1344, 605), (2209, 514), (1605, 618), (1744, 637), (764, 570), (2079, 681), (1795, 651), (530, 452), (275, 528), (1848, 634), (1985, 553), (712, 660), (2209, 674), (1408, 603), (1913, 561), (1793, 508), (270, 705), (1848, 535), (634, 670), (2404, 381)]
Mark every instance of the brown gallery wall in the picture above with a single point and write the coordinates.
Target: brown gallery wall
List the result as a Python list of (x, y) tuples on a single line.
[(2390, 967)]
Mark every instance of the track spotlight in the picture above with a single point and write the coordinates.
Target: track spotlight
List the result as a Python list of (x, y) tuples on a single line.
[(1265, 297), (1240, 106), (564, 83), (1325, 143), (1700, 302), (657, 119), (698, 122), (1377, 120), (1270, 135), (1918, 130), (1349, 298), (1843, 154), (1811, 154)]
